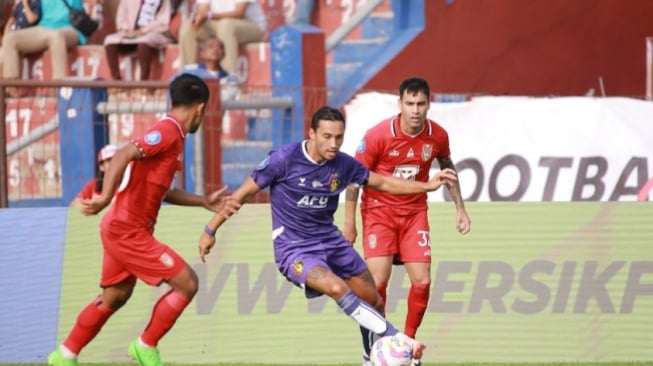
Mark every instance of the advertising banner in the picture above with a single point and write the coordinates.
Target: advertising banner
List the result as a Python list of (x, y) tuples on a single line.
[(532, 282), (535, 149)]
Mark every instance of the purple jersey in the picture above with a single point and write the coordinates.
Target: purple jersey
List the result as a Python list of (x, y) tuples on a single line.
[(304, 197), (304, 194)]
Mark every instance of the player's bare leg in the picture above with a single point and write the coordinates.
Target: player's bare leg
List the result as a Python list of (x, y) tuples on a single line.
[(325, 281), (364, 287)]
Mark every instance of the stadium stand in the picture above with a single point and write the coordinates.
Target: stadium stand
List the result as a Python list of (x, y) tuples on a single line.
[(246, 133)]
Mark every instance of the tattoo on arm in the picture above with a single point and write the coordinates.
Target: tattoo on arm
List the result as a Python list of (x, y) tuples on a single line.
[(455, 190), (351, 194)]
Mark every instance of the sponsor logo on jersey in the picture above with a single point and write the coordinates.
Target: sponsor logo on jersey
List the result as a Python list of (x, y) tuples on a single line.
[(309, 201), (153, 137), (371, 240), (167, 260), (393, 153), (408, 172), (264, 163), (317, 184), (410, 154), (427, 150), (334, 183), (298, 267)]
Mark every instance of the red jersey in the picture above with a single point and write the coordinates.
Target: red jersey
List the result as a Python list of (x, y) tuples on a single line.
[(89, 191), (146, 181), (386, 150)]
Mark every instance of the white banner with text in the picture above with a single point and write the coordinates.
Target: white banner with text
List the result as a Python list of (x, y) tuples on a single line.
[(534, 149)]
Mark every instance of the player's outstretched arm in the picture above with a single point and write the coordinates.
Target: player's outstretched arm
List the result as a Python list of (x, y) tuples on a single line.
[(231, 206), (212, 202), (351, 201), (395, 185)]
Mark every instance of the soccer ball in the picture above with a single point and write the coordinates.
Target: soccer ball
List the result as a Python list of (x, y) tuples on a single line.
[(391, 351)]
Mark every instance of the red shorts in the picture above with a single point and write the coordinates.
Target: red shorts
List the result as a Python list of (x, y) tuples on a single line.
[(136, 254), (403, 234)]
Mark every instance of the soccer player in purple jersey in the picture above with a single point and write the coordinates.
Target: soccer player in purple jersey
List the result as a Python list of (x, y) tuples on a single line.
[(305, 180)]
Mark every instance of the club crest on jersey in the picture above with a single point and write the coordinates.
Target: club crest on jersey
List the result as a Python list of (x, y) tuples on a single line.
[(167, 260), (153, 138), (427, 150), (298, 267), (264, 163), (361, 147), (334, 183), (371, 240)]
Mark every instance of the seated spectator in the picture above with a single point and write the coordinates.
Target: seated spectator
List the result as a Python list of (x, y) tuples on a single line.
[(93, 188), (235, 22), (53, 32), (211, 55), (24, 14), (143, 26)]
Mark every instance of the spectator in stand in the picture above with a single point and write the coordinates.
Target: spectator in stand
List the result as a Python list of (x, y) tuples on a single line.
[(143, 26), (303, 11), (25, 13), (209, 67), (235, 22), (54, 32), (93, 188), (211, 55)]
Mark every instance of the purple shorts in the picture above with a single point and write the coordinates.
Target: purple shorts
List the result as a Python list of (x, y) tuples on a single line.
[(295, 260)]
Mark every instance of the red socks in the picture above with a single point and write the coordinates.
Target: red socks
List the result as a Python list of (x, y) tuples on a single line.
[(164, 315), (88, 325), (418, 299)]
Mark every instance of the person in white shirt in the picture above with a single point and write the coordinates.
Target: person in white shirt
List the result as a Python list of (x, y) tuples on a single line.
[(235, 22)]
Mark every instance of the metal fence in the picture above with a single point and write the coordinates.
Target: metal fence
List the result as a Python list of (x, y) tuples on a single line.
[(52, 134)]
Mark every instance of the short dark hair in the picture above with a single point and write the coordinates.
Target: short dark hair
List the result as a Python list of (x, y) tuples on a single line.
[(414, 85), (187, 89), (326, 113)]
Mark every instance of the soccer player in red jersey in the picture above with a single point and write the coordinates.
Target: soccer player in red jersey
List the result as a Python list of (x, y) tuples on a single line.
[(142, 174), (396, 227)]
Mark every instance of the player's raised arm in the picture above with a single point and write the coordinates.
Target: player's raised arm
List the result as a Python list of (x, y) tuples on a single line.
[(231, 206), (402, 186)]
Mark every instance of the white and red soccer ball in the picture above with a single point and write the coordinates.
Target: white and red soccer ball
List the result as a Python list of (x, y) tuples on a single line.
[(391, 351)]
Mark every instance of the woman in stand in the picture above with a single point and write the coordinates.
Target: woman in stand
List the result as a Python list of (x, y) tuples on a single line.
[(143, 26)]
